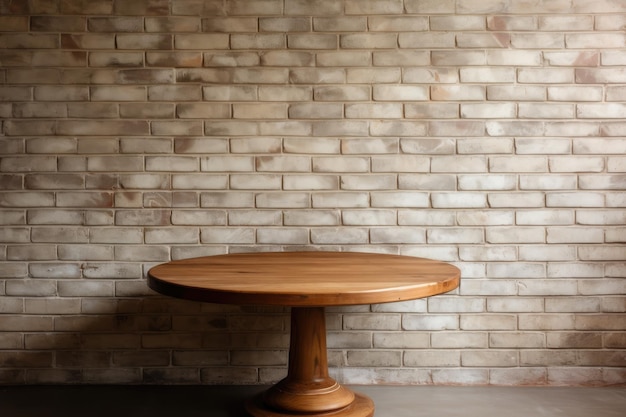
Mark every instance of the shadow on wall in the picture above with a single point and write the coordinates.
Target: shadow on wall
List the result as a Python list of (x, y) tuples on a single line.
[(155, 340)]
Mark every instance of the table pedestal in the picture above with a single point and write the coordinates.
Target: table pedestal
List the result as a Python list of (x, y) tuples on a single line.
[(308, 390)]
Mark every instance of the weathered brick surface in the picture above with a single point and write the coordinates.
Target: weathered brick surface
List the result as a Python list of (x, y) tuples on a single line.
[(484, 133)]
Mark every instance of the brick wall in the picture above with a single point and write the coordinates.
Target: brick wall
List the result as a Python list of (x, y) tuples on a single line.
[(486, 133)]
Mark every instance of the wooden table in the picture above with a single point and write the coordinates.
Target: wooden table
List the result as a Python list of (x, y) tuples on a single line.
[(307, 282)]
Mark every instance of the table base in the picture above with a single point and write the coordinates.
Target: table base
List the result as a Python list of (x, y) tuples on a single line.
[(362, 406)]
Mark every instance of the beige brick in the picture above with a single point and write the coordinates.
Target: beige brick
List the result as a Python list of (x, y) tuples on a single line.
[(517, 340), (373, 75), (231, 59), (312, 41), (399, 93), (454, 340), (174, 59), (489, 111), (374, 358), (539, 40), (141, 7), (58, 23), (483, 40), (457, 93), (283, 163), (491, 358), (368, 217), (194, 218), (316, 75), (312, 218), (252, 41), (282, 93), (260, 111), (173, 24), (426, 182), (255, 181), (93, 110), (518, 376), (283, 236), (256, 145), (447, 58), (339, 235), (305, 145), (368, 41), (516, 92), (428, 40), (310, 182), (344, 59), (316, 111), (373, 7)]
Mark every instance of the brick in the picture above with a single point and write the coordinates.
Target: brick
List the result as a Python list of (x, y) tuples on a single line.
[(174, 59), (454, 340), (370, 146), (489, 111), (227, 199), (573, 305), (316, 75), (374, 7), (316, 111), (426, 182), (199, 182), (502, 253), (539, 40), (310, 182), (583, 235), (493, 218), (173, 24), (516, 92), (591, 40), (312, 218), (141, 7), (455, 235), (487, 75), (58, 23), (600, 75), (284, 236), (373, 75), (382, 23), (540, 75), (429, 40), (491, 358), (281, 93), (447, 58), (304, 145), (457, 93), (312, 41), (457, 23), (547, 110), (374, 358), (368, 40), (344, 59), (256, 145), (339, 235), (231, 59), (252, 181), (512, 23), (368, 217), (399, 93)]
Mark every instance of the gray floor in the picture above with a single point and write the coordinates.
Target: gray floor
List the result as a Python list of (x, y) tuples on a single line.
[(391, 401)]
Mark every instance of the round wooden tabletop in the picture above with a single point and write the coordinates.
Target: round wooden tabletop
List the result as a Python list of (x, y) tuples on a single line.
[(299, 279)]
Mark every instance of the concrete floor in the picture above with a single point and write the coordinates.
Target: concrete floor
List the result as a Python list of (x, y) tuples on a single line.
[(391, 401)]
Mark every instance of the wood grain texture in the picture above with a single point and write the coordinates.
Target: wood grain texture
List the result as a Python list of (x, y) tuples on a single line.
[(303, 278)]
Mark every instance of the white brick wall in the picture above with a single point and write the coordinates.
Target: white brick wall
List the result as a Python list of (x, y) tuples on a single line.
[(484, 133)]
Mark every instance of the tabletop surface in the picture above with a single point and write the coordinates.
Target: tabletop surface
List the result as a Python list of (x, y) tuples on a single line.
[(303, 278)]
